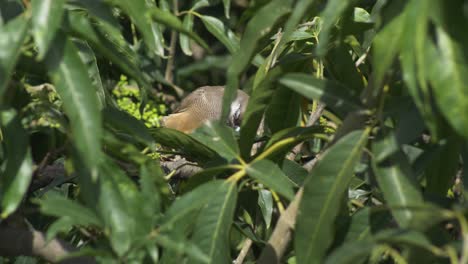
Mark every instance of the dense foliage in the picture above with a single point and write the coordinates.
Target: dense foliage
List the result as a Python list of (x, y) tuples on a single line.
[(361, 159)]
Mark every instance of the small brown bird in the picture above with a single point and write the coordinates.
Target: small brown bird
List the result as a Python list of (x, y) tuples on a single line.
[(205, 104)]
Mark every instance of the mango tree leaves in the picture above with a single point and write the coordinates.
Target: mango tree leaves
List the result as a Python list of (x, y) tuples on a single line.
[(183, 142), (398, 185), (80, 102), (271, 176), (450, 80), (323, 193), (332, 93), (212, 227), (259, 27), (168, 19), (16, 170), (12, 36), (221, 32), (46, 20), (220, 138)]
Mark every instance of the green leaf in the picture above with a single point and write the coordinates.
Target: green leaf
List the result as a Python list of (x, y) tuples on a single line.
[(442, 170), (351, 252), (269, 174), (341, 67), (213, 225), (182, 247), (137, 10), (220, 138), (183, 142), (227, 7), (265, 202), (284, 110), (118, 205), (253, 115), (331, 13), (386, 45), (400, 190), (332, 93), (89, 59), (323, 193), (283, 141), (57, 205), (109, 44), (184, 39), (190, 202), (414, 60), (221, 32), (46, 20), (13, 35), (17, 168), (80, 102), (123, 122), (448, 78), (168, 19), (259, 27)]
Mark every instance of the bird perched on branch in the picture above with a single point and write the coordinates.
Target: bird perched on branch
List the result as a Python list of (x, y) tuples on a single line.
[(205, 104)]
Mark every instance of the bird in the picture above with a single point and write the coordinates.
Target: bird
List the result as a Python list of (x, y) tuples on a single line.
[(205, 104)]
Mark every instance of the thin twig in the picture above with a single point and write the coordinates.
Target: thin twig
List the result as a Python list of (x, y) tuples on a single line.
[(169, 76), (243, 253), (23, 242), (362, 58)]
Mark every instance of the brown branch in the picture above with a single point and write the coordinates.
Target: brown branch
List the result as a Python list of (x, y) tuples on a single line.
[(282, 233), (169, 76), (22, 242), (243, 253)]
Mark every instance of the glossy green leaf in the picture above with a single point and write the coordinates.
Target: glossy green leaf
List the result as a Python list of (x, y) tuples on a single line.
[(414, 60), (227, 7), (265, 202), (182, 142), (341, 67), (258, 28), (46, 20), (182, 247), (137, 10), (254, 112), (192, 201), (351, 253), (168, 19), (332, 93), (441, 171), (110, 45), (184, 39), (123, 122), (80, 101), (330, 15), (287, 138), (12, 36), (284, 110), (119, 205), (221, 32), (387, 43), (269, 174), (220, 138), (212, 227), (57, 205), (398, 185), (17, 168), (323, 193), (89, 59), (448, 78)]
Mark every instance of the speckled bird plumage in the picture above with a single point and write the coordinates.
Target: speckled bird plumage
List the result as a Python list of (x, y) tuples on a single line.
[(204, 104)]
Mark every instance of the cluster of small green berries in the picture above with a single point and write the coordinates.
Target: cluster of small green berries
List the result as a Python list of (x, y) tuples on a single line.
[(129, 99)]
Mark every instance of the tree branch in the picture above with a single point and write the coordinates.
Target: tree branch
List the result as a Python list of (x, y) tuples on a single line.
[(22, 242)]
